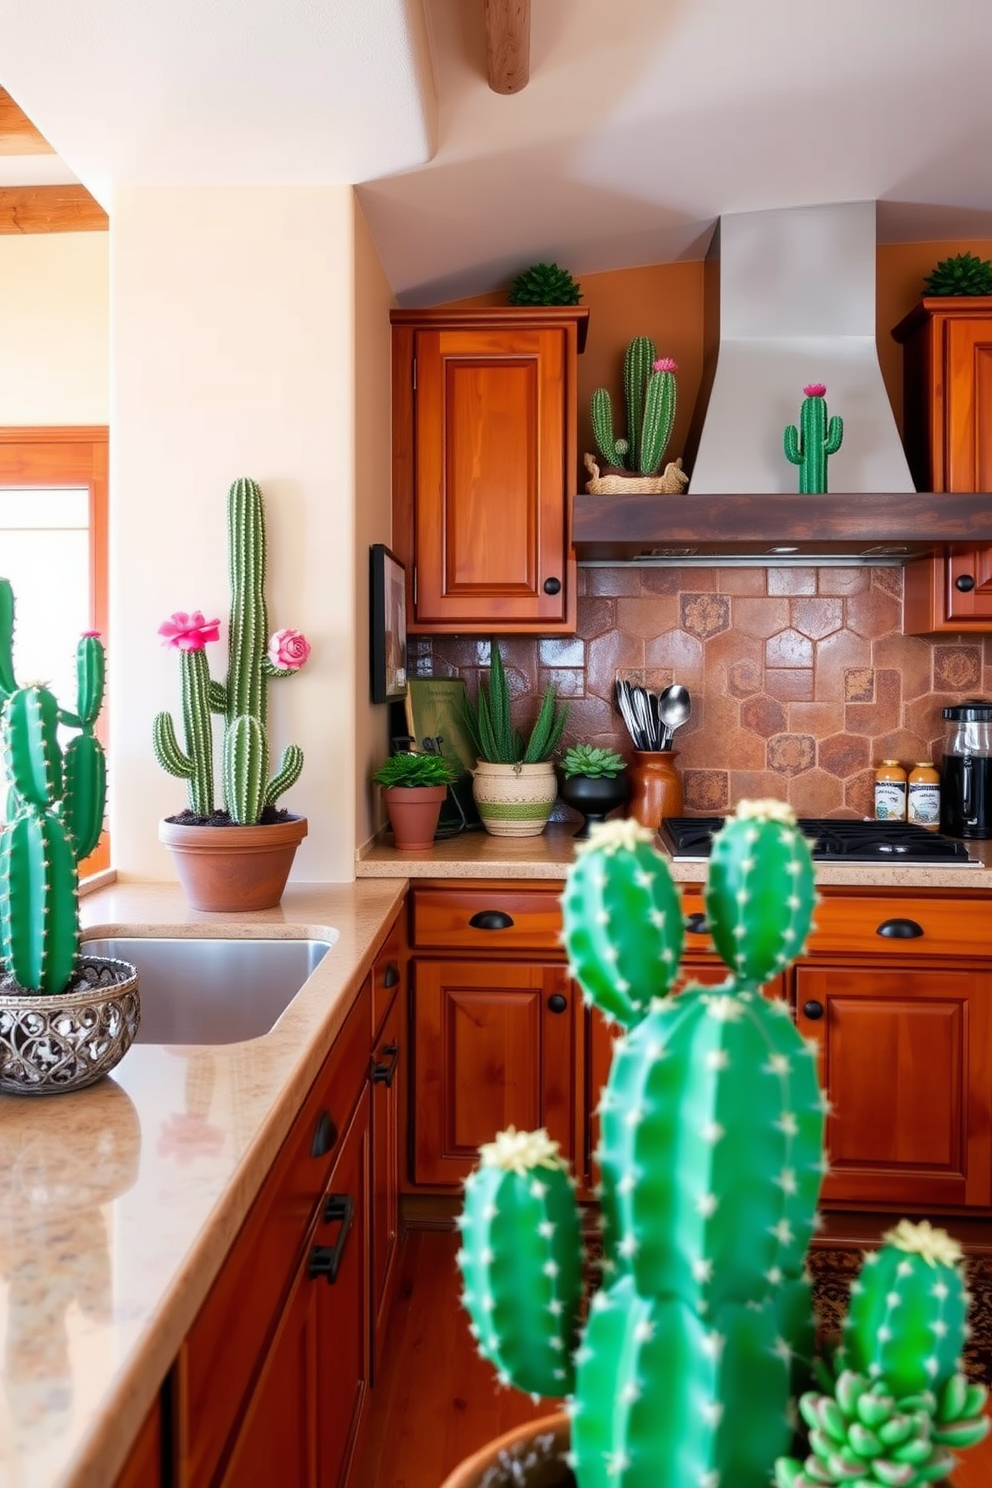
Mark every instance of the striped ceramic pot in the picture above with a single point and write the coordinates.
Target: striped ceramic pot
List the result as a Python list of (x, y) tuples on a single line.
[(514, 800)]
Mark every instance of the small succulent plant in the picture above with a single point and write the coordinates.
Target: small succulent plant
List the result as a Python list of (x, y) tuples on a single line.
[(592, 761), (963, 274), (650, 396), (253, 657), (55, 800), (489, 724), (411, 770), (544, 284)]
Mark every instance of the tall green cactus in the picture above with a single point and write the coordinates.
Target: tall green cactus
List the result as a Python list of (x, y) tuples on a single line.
[(243, 697), (711, 1160), (809, 450), (650, 396), (56, 804)]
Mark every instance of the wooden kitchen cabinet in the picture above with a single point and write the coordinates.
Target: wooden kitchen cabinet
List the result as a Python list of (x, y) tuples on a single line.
[(388, 1103), (897, 993), (947, 415), (484, 465), (144, 1465)]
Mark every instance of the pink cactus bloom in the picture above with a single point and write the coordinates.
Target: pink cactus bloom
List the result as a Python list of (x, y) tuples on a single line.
[(91, 635), (815, 390), (665, 364), (188, 632), (288, 650)]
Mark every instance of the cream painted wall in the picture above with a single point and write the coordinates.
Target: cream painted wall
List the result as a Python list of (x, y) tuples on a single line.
[(373, 506), (233, 353), (54, 329)]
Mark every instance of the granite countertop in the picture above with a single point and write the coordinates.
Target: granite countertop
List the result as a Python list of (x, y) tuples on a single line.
[(118, 1203), (479, 855)]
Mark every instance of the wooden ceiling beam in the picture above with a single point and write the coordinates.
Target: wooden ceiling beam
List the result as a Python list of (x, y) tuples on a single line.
[(18, 135), (48, 209), (508, 44)]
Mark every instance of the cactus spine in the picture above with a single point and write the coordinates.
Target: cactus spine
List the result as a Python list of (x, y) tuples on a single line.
[(650, 396), (819, 438), (243, 696), (56, 804)]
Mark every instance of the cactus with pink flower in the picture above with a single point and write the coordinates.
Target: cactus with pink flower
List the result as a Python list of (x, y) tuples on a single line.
[(650, 395), (253, 657), (816, 438)]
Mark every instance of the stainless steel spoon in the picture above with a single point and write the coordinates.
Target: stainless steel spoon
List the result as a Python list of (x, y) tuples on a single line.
[(674, 707)]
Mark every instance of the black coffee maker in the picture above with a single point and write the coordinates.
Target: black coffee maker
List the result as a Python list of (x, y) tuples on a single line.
[(966, 770)]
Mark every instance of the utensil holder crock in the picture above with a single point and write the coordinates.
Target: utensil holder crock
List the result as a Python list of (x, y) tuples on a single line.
[(655, 787)]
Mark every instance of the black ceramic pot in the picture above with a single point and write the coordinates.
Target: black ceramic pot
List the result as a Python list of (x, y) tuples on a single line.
[(594, 798)]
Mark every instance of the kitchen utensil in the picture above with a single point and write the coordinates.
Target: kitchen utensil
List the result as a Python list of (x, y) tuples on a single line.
[(628, 712), (674, 707)]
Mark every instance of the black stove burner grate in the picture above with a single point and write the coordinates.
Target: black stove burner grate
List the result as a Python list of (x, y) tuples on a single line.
[(688, 837)]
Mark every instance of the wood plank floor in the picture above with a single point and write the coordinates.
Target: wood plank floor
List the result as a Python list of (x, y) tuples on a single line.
[(436, 1401)]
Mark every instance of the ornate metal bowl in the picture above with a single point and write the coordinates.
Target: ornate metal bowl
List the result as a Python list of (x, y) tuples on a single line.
[(52, 1043)]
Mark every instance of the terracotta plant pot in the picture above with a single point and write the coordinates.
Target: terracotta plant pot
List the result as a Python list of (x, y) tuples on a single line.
[(514, 800), (233, 868), (414, 812), (500, 1463)]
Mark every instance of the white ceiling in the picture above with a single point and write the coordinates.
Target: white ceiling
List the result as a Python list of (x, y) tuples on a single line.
[(643, 120)]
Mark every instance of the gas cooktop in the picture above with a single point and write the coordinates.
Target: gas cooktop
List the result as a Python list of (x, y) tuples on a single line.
[(895, 843)]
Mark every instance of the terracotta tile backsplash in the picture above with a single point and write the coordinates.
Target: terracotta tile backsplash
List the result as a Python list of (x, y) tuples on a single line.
[(801, 680)]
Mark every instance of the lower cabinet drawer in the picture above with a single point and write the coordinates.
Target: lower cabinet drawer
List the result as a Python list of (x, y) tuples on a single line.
[(487, 920), (900, 925)]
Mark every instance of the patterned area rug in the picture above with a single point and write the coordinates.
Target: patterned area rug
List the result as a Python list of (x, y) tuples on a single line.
[(834, 1269)]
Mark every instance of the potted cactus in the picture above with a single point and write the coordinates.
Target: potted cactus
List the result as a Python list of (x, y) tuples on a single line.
[(66, 1018), (237, 856), (633, 458), (414, 787), (513, 782), (701, 1336), (594, 783)]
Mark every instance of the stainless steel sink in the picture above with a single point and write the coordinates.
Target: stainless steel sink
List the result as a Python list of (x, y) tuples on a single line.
[(213, 991)]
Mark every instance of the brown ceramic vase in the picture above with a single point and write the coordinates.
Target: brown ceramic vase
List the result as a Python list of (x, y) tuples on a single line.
[(233, 868), (655, 787)]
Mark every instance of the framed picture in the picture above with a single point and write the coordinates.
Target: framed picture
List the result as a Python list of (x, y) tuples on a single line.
[(387, 613)]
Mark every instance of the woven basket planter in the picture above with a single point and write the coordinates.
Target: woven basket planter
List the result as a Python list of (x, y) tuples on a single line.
[(514, 800), (672, 479)]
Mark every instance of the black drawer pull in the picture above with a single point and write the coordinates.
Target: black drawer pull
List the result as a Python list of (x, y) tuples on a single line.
[(557, 1003), (491, 919), (695, 924), (385, 1073), (391, 975), (900, 929), (965, 583), (813, 1010), (325, 1260), (324, 1137)]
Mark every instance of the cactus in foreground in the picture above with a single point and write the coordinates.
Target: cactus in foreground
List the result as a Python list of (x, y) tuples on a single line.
[(818, 438), (650, 395), (711, 1161), (243, 696), (55, 803)]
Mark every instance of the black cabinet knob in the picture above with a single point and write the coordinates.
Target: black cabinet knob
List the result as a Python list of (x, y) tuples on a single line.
[(491, 919), (813, 1010), (964, 582), (391, 975), (552, 586), (384, 1072), (900, 930), (324, 1137), (696, 924), (557, 1003)]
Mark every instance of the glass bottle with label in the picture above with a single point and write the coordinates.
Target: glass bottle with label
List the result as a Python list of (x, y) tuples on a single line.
[(924, 794), (890, 791)]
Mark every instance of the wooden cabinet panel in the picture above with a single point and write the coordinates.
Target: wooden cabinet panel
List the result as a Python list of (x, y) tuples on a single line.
[(906, 1059), (484, 433), (144, 1466), (947, 383), (389, 972), (488, 920), (493, 1047), (932, 925), (388, 1097)]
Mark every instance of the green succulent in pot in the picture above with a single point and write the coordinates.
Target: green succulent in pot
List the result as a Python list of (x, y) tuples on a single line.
[(592, 761), (414, 787), (514, 783), (65, 1018), (409, 770), (594, 783)]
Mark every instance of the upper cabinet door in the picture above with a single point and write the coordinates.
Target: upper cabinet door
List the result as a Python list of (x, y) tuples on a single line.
[(483, 469), (968, 403)]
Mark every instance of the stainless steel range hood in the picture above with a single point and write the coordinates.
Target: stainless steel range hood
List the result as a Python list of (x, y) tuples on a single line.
[(789, 300)]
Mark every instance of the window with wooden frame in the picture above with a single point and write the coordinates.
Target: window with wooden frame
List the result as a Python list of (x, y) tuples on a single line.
[(53, 549)]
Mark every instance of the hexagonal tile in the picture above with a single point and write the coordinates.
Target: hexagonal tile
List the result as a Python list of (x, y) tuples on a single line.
[(957, 668), (681, 652), (818, 793), (788, 649), (594, 617), (859, 685), (744, 677), (834, 655), (706, 791), (817, 617), (859, 793), (704, 615), (873, 613), (789, 684), (910, 656), (791, 754), (760, 617), (881, 716), (763, 715), (645, 615), (843, 754)]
